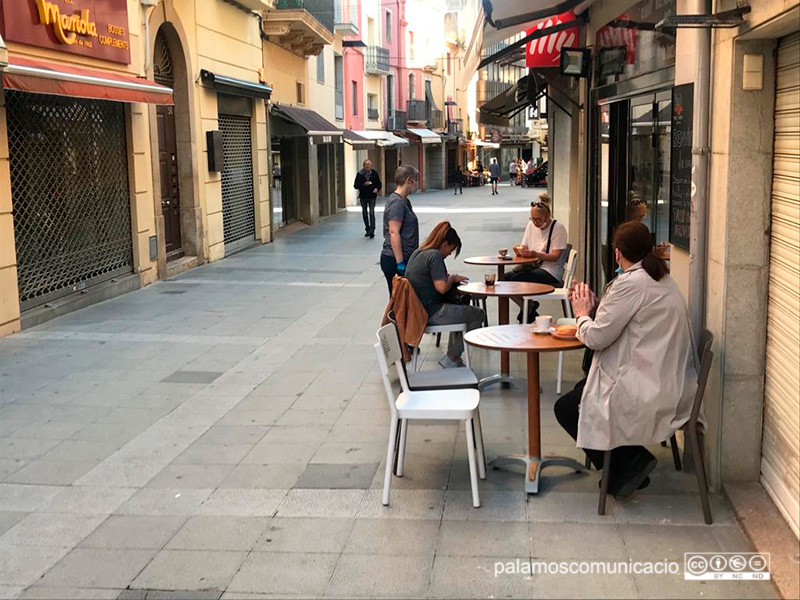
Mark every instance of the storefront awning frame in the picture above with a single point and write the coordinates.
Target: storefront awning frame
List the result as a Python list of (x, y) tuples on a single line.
[(317, 128), (384, 139), (44, 77), (236, 87), (424, 136)]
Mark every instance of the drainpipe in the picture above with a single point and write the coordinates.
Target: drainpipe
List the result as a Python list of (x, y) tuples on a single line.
[(147, 9), (700, 155)]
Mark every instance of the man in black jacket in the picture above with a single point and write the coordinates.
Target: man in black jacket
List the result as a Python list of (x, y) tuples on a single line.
[(368, 184)]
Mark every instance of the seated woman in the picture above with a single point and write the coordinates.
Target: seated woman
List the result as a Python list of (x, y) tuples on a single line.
[(428, 276), (545, 239), (643, 374)]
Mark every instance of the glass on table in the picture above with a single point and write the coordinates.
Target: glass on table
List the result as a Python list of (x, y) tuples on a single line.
[(489, 279)]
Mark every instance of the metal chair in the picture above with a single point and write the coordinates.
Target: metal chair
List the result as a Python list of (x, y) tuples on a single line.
[(459, 405), (561, 293), (691, 434)]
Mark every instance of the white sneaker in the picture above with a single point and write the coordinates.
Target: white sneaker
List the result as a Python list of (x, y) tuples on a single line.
[(448, 363)]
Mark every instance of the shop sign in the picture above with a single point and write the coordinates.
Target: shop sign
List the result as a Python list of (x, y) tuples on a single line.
[(93, 28), (681, 190), (546, 51)]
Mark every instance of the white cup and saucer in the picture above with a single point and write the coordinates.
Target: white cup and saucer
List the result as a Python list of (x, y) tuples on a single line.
[(542, 324)]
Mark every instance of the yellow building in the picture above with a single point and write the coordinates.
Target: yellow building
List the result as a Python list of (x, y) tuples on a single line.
[(107, 128)]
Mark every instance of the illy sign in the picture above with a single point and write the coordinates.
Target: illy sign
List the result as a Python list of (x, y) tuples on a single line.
[(546, 51)]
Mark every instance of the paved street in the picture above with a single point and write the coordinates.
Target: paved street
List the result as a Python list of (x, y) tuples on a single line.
[(224, 432)]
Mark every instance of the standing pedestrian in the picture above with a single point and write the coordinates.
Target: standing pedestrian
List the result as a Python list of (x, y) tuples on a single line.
[(368, 184), (400, 225), (512, 171), (494, 175), (458, 180)]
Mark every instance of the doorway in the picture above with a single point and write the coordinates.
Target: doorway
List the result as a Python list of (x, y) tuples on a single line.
[(164, 73)]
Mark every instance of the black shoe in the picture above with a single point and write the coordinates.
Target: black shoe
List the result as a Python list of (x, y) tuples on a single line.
[(637, 472), (366, 234), (371, 235)]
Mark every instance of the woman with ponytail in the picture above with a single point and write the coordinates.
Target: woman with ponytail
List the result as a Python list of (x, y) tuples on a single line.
[(427, 274), (643, 375)]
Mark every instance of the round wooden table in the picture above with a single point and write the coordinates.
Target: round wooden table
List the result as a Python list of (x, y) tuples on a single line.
[(504, 290), (519, 338), (500, 263)]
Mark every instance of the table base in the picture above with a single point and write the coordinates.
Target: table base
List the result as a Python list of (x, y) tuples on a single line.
[(505, 379), (534, 466)]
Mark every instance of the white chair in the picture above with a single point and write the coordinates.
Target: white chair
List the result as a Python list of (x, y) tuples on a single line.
[(561, 293), (567, 321), (451, 405), (438, 330)]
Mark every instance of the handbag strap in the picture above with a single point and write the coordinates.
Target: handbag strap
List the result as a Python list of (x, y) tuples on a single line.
[(550, 236)]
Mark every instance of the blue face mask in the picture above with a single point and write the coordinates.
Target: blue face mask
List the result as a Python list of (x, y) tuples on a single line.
[(618, 271)]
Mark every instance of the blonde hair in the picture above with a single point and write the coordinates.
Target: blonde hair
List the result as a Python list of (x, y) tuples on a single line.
[(543, 203)]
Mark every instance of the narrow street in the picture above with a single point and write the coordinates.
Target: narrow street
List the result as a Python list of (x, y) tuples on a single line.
[(224, 432)]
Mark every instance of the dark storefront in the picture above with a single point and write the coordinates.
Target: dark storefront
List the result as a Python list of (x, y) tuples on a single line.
[(630, 130)]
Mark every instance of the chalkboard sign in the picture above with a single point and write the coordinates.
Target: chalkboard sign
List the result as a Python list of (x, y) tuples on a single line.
[(680, 190)]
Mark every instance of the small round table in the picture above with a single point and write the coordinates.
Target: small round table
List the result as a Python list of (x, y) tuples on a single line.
[(504, 290), (519, 338), (500, 263)]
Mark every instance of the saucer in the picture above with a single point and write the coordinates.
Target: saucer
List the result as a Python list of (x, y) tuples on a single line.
[(541, 331)]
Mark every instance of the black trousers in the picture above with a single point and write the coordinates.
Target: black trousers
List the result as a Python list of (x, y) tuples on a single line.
[(567, 410), (389, 268), (368, 212)]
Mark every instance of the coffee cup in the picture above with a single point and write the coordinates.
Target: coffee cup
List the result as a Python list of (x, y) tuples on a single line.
[(502, 251), (543, 322), (489, 279)]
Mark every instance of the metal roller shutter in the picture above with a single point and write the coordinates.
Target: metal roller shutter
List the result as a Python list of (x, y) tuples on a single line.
[(780, 461), (69, 190), (238, 201)]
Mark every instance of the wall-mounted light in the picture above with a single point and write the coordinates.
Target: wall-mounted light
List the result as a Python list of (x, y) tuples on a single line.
[(575, 62)]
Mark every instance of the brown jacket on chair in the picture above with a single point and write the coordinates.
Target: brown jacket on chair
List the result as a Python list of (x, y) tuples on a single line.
[(412, 318)]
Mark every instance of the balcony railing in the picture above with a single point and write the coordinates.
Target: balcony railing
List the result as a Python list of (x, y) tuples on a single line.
[(396, 121), (435, 119), (455, 127), (372, 114), (417, 110), (376, 60), (321, 10)]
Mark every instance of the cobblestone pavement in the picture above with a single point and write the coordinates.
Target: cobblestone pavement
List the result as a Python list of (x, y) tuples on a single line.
[(222, 434)]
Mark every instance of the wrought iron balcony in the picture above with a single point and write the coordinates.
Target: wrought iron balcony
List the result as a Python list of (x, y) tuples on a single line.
[(373, 114), (303, 27), (396, 121), (417, 110), (435, 119), (322, 10), (376, 60), (455, 127)]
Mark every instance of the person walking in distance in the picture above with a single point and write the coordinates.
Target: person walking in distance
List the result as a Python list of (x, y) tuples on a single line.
[(494, 175), (458, 180), (368, 184), (512, 171)]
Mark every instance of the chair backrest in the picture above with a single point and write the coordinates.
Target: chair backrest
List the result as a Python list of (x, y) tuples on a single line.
[(569, 267), (706, 356), (402, 372), (388, 351)]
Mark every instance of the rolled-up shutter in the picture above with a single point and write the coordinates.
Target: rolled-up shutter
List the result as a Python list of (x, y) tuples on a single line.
[(780, 462)]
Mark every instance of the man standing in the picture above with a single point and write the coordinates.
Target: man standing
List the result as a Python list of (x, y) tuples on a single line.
[(512, 171), (494, 175), (368, 184)]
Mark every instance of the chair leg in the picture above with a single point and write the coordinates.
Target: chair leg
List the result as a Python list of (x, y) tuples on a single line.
[(401, 454), (485, 312), (473, 472), (438, 339), (676, 454), (559, 371), (396, 447), (387, 478), (466, 354), (587, 463), (700, 470), (601, 507), (476, 420)]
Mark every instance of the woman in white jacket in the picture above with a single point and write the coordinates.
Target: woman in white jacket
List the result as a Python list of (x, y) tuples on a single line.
[(643, 376)]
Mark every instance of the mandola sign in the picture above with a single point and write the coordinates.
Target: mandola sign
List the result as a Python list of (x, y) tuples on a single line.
[(546, 51), (93, 28)]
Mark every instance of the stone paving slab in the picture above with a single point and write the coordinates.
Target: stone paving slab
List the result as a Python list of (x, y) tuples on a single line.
[(229, 440)]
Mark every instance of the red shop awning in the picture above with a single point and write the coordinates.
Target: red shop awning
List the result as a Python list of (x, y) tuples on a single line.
[(41, 77)]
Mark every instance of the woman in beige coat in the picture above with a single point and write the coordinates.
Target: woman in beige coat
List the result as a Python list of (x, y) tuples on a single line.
[(643, 376)]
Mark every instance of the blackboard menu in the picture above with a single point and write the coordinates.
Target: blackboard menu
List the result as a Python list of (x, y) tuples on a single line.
[(680, 191)]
